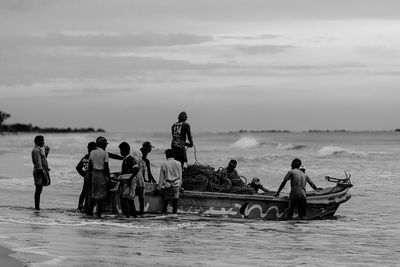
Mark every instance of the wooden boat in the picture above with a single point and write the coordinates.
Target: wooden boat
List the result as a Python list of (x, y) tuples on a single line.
[(321, 204)]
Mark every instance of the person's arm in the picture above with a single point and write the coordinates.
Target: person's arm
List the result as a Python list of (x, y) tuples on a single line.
[(189, 136), (162, 177), (264, 189), (107, 170), (180, 174), (115, 156), (135, 171), (280, 187), (311, 183), (151, 178), (79, 168), (90, 168), (46, 150), (287, 178)]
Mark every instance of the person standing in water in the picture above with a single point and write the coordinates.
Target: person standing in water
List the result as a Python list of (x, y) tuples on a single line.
[(146, 149), (83, 169), (40, 168), (180, 133), (170, 181), (298, 195), (98, 166)]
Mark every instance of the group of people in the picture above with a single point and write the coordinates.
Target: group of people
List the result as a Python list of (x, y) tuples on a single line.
[(136, 171), (94, 168)]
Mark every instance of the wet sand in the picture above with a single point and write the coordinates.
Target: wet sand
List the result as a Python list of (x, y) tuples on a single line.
[(7, 260)]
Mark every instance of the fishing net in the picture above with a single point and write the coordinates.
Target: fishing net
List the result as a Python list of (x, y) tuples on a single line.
[(206, 178)]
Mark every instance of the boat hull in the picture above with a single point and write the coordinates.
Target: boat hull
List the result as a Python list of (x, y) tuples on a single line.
[(320, 204)]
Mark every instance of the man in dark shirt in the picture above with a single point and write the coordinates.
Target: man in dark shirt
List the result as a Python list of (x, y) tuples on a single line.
[(180, 133), (83, 169), (146, 149), (129, 169)]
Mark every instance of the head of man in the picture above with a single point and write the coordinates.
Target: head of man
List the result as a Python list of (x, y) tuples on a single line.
[(256, 181), (231, 165), (101, 142), (182, 116), (124, 149), (169, 153), (296, 163), (146, 148), (39, 140), (91, 146)]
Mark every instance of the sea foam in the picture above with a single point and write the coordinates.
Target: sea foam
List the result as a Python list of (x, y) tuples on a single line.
[(245, 142)]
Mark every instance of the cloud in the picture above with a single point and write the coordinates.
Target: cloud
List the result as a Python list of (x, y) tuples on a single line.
[(104, 40), (34, 67), (263, 49), (250, 37), (91, 91)]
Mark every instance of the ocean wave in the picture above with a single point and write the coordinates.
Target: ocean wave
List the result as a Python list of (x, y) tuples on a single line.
[(289, 147), (245, 142), (337, 150)]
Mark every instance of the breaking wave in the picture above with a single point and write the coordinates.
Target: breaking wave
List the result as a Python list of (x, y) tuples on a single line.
[(245, 142), (289, 147), (336, 150)]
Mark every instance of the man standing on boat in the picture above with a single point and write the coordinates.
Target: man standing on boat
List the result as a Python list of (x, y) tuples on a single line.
[(298, 182), (180, 131), (40, 168)]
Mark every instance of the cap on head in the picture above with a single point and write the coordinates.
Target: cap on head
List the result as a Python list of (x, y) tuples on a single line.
[(182, 116), (101, 140), (232, 163), (147, 144), (256, 181)]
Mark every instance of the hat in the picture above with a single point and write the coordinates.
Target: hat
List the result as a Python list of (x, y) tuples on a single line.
[(256, 181), (101, 140), (147, 144), (232, 162), (302, 167)]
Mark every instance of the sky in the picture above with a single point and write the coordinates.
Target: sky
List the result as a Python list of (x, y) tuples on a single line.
[(132, 65)]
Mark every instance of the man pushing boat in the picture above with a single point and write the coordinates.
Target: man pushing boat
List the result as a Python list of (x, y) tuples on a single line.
[(298, 180)]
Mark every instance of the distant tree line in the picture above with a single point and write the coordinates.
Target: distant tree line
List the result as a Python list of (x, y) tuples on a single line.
[(21, 127)]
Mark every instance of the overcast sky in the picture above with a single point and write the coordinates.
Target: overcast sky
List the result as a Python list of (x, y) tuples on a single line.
[(231, 64)]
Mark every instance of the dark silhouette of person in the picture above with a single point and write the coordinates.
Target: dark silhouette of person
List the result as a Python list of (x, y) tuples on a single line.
[(180, 133)]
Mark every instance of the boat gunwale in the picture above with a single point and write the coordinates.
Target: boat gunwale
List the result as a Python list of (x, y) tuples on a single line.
[(259, 197)]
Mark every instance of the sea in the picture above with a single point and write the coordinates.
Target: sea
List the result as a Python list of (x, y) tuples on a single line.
[(365, 231)]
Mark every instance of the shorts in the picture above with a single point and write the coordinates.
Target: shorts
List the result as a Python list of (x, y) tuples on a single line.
[(301, 204), (179, 154)]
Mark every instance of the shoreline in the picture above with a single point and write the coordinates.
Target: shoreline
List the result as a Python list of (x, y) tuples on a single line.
[(7, 260)]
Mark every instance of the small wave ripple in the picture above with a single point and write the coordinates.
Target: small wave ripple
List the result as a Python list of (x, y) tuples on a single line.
[(337, 150), (290, 147)]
